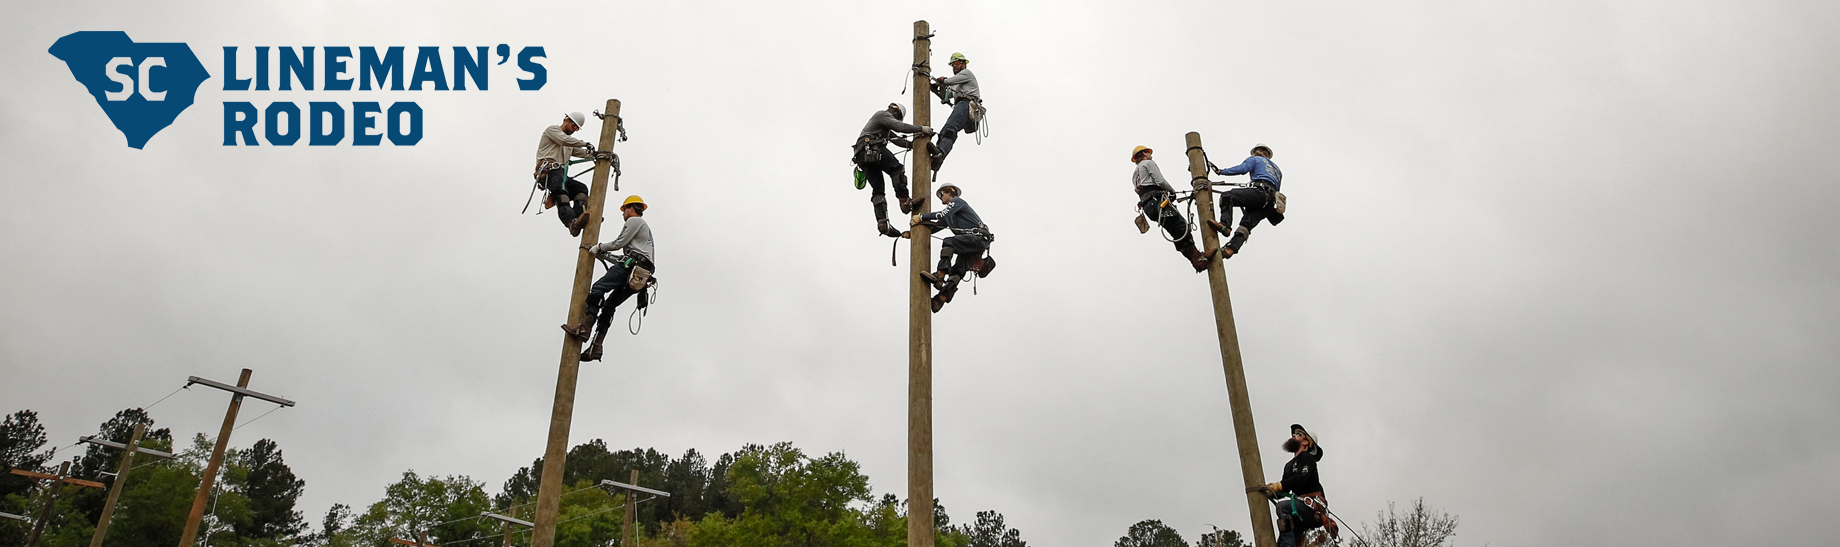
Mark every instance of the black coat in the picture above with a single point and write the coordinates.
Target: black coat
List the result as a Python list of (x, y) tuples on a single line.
[(1300, 473)]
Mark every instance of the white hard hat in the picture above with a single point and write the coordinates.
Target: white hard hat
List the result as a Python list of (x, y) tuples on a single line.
[(1256, 147), (956, 191), (578, 118), (900, 112)]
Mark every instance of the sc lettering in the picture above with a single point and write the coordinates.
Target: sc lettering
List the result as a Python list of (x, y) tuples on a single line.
[(128, 89)]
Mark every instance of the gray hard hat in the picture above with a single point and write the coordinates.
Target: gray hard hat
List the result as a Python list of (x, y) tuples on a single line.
[(578, 118)]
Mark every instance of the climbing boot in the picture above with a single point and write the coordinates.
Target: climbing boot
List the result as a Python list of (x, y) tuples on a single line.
[(935, 157), (936, 279), (1202, 260), (937, 304), (593, 353), (575, 226), (907, 205), (1219, 228), (579, 333), (881, 225)]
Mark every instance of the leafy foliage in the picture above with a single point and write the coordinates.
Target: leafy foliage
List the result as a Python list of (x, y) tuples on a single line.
[(1150, 533)]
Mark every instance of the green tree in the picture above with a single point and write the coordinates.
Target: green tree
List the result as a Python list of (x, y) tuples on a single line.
[(1221, 538), (21, 437), (446, 510), (1150, 533), (255, 506), (990, 531)]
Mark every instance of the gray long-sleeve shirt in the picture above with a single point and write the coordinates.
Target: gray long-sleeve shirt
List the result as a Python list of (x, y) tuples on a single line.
[(882, 126), (635, 239), (558, 146), (1147, 174), (963, 84)]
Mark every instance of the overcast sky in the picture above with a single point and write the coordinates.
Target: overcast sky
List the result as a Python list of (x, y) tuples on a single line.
[(1566, 270)]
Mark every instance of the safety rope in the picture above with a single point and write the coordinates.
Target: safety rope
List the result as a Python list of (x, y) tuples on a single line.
[(650, 294)]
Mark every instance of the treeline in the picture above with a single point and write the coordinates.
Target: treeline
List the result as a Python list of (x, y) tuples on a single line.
[(253, 505), (767, 496)]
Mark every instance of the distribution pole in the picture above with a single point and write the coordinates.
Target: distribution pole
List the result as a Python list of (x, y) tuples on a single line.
[(209, 479), (1250, 466), (562, 414), (121, 476), (920, 313), (632, 513), (52, 489)]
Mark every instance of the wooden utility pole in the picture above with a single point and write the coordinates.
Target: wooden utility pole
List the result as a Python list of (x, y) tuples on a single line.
[(209, 478), (52, 490), (632, 505), (920, 313), (121, 477), (1249, 464), (632, 514), (562, 413)]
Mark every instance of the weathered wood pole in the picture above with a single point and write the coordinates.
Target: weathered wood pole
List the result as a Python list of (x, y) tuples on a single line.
[(121, 476), (920, 314), (52, 489), (209, 479), (1250, 466), (632, 513), (562, 414)]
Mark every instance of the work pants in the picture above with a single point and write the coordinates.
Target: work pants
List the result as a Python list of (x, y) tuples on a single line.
[(892, 167), (960, 120), (611, 291), (1257, 204), (571, 196), (1171, 220), (956, 254), (1292, 537)]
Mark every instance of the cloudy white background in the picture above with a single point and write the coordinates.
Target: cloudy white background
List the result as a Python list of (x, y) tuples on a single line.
[(1566, 270)]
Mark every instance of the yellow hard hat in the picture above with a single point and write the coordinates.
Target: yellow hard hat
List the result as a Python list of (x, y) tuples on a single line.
[(634, 199), (1139, 150), (956, 57)]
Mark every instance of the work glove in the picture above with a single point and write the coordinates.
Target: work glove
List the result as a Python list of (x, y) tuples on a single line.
[(926, 131), (916, 221)]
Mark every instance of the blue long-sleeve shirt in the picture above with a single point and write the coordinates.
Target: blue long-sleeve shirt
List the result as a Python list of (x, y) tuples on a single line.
[(1260, 167), (957, 216)]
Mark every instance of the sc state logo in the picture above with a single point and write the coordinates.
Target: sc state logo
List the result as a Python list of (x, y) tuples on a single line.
[(142, 87)]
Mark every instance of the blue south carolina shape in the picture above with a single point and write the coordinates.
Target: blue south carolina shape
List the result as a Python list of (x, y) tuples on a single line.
[(88, 54)]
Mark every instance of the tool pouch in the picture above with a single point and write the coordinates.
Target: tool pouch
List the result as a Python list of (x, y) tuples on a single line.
[(1143, 225), (639, 278), (867, 151), (1277, 202)]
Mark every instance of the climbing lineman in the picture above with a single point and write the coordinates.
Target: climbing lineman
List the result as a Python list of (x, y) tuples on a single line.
[(628, 259), (961, 253), (554, 148), (874, 160), (1260, 199), (1156, 200), (1298, 495), (961, 90)]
